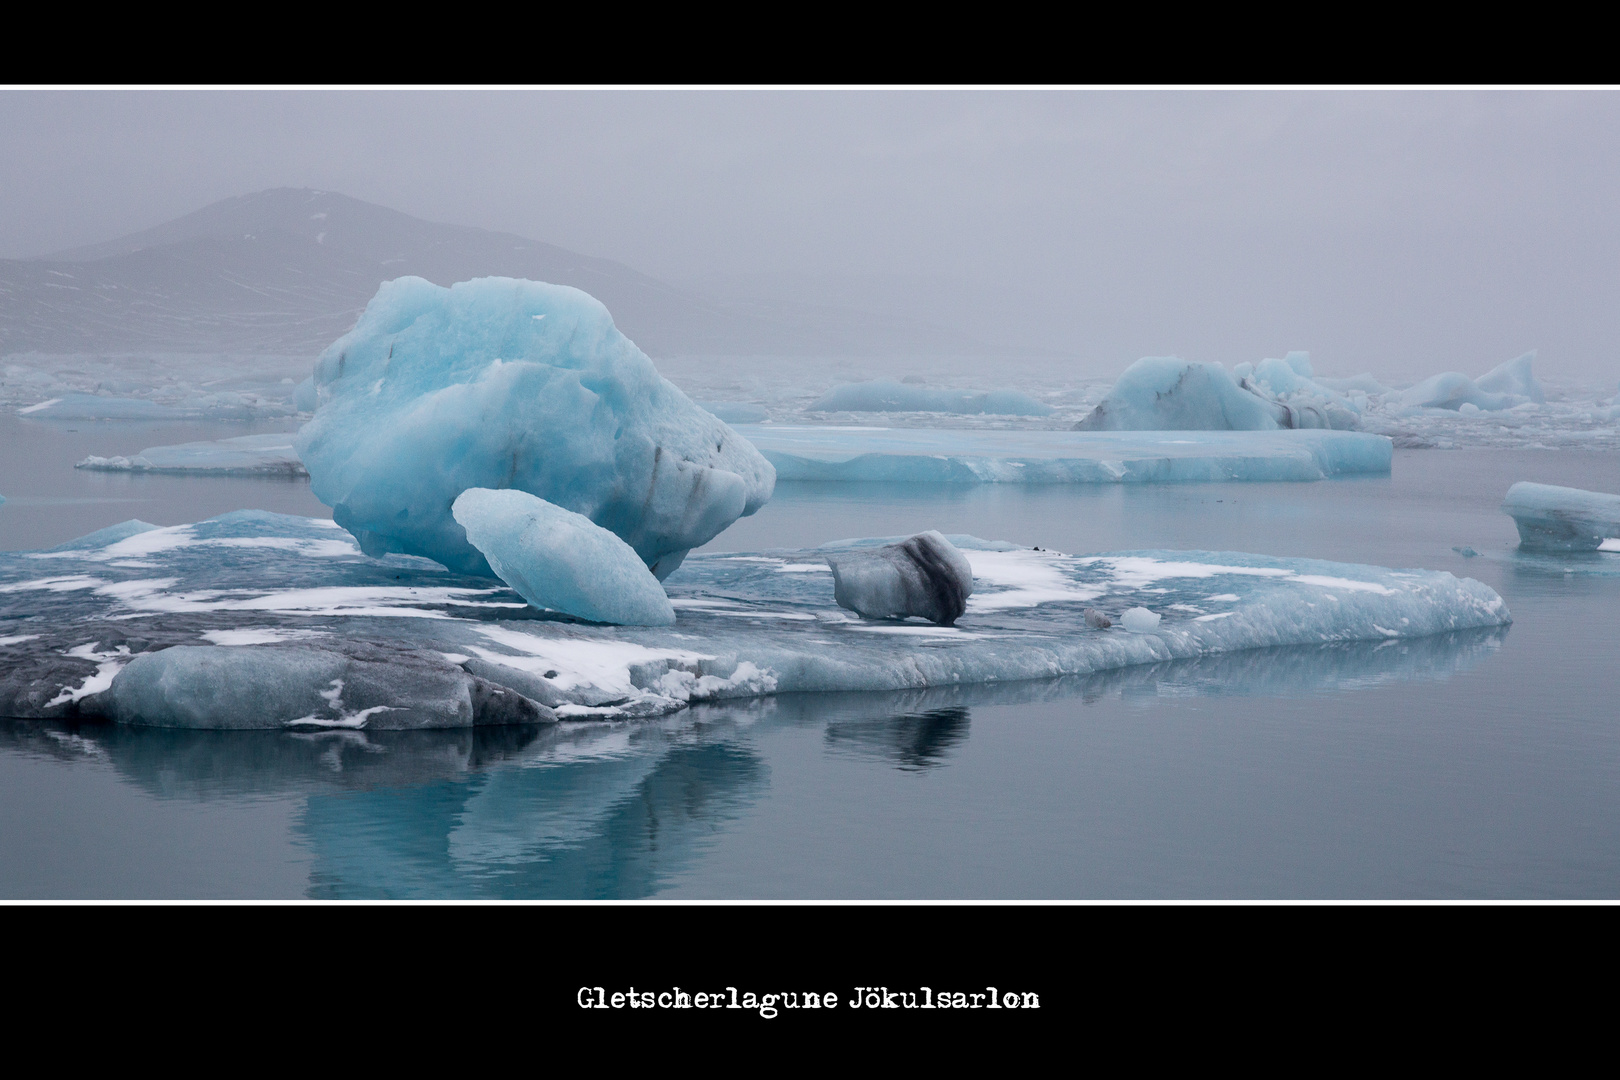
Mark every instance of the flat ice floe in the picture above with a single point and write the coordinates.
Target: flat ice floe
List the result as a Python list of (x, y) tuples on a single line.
[(246, 455), (165, 625), (1063, 457)]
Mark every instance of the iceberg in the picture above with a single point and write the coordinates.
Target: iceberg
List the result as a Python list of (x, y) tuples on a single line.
[(1166, 393), (246, 455), (1514, 379), (923, 575), (502, 383), (886, 395), (1307, 403), (561, 561), (918, 455), (1552, 518), (334, 638), (1503, 387)]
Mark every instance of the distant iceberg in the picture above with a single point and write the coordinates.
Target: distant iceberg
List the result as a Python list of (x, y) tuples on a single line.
[(920, 455), (500, 383), (886, 395), (1166, 393), (177, 625)]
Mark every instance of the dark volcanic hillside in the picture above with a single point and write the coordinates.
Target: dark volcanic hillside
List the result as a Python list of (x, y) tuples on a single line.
[(287, 271)]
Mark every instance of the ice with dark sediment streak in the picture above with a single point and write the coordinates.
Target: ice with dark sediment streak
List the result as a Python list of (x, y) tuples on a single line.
[(152, 625), (501, 383), (920, 455), (1552, 518), (923, 576)]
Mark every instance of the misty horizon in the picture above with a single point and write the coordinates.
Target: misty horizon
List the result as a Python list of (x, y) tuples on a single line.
[(1397, 232)]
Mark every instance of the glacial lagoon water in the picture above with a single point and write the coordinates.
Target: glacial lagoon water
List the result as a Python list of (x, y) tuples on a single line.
[(1481, 765)]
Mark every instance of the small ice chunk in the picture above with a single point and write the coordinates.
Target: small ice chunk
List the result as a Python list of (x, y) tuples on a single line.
[(1555, 518), (1097, 619), (923, 575), (561, 560), (1139, 620)]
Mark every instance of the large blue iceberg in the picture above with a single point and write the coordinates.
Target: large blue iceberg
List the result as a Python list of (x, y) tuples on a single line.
[(920, 455), (502, 383), (165, 626)]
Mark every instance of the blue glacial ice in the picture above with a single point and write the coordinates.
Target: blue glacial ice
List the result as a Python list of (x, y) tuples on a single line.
[(1552, 518), (157, 625), (561, 561), (1063, 457), (501, 383), (886, 395), (245, 455), (1166, 393)]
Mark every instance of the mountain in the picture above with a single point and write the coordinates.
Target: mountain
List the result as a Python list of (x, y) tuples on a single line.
[(287, 271)]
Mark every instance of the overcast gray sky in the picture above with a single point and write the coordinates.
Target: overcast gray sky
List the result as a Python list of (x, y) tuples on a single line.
[(1403, 232)]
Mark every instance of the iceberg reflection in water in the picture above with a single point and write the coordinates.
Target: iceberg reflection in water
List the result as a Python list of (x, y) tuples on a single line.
[(625, 809)]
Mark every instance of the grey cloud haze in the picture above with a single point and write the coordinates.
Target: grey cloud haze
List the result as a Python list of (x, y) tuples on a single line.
[(1402, 232)]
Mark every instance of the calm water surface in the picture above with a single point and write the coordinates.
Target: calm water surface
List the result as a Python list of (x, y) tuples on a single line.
[(1487, 766)]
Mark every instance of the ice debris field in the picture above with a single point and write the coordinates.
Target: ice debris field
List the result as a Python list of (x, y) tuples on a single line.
[(255, 619)]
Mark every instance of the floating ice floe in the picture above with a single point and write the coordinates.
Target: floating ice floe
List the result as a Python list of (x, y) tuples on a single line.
[(1063, 457), (246, 455), (501, 383), (1552, 518), (886, 395), (168, 625)]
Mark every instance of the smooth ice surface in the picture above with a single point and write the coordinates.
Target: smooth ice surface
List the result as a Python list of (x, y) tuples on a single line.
[(244, 455), (1063, 457), (502, 383), (923, 575), (1552, 518), (1503, 387), (561, 561), (749, 624), (886, 395)]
